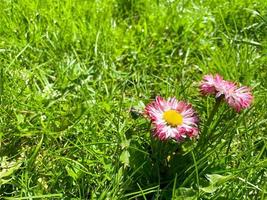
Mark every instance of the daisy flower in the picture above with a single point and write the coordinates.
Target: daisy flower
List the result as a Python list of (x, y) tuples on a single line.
[(211, 84), (172, 119), (236, 97)]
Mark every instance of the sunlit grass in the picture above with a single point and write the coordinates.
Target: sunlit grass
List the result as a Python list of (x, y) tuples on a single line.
[(72, 70)]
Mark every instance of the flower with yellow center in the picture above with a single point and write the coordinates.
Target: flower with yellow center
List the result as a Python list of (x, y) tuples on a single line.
[(172, 119)]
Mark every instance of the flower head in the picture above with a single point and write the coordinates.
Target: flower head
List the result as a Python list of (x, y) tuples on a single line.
[(211, 84), (172, 119), (236, 97)]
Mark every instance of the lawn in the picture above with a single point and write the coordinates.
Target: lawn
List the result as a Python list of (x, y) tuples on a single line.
[(76, 75)]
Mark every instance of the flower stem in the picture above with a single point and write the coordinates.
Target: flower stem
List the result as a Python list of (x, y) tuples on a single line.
[(205, 132), (212, 114)]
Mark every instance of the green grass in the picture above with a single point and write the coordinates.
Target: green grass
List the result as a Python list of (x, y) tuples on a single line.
[(71, 70)]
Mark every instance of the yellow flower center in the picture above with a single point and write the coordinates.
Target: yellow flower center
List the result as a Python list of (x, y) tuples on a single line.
[(173, 118)]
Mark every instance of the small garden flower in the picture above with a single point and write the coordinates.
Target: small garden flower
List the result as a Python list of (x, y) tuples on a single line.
[(172, 119), (236, 97), (211, 84)]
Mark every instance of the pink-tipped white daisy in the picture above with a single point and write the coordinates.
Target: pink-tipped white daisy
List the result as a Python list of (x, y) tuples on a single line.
[(172, 119), (211, 84), (236, 97)]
